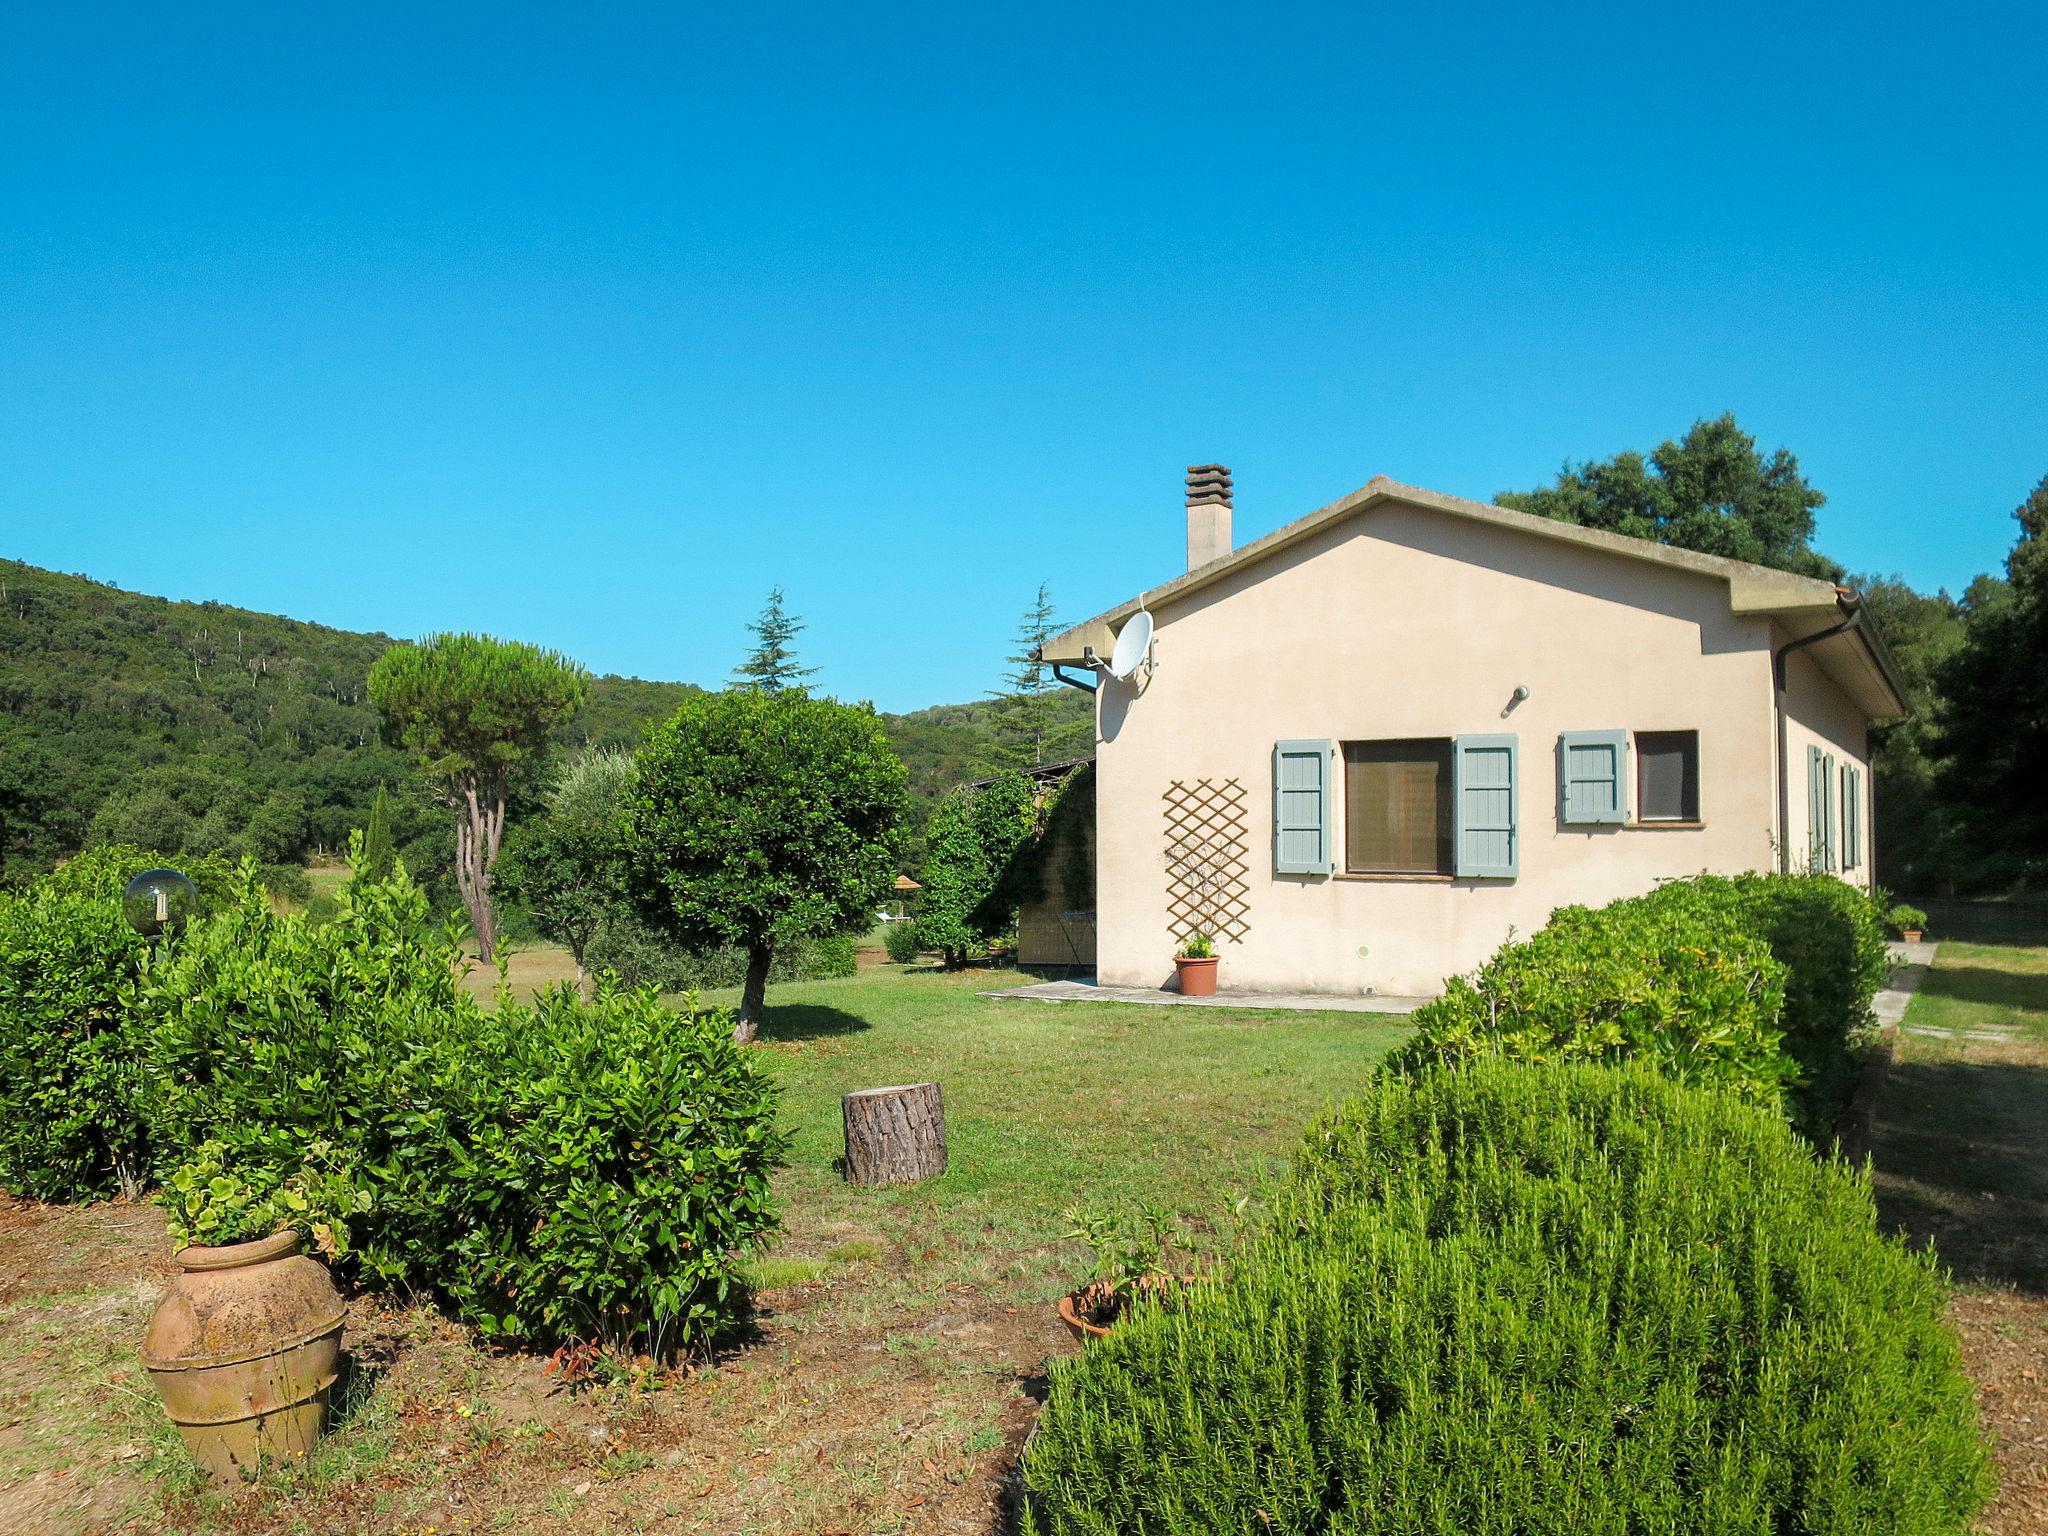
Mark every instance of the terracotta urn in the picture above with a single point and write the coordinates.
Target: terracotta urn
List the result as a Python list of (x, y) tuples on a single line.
[(243, 1349), (1197, 978)]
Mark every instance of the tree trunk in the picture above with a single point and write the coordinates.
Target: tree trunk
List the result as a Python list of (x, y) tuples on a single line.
[(754, 995), (478, 831), (895, 1135)]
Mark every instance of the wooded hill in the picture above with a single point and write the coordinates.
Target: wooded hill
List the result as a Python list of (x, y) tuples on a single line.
[(199, 727)]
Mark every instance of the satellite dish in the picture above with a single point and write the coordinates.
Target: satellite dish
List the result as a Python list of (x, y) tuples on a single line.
[(1133, 645)]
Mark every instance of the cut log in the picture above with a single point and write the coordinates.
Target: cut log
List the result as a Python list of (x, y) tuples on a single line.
[(895, 1135)]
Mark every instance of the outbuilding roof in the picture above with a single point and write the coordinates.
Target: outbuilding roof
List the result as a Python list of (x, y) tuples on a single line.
[(1800, 605)]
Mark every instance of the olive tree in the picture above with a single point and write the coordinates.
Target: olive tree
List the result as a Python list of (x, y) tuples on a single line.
[(762, 817), (477, 713)]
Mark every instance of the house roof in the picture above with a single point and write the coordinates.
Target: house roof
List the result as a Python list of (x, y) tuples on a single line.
[(1800, 605)]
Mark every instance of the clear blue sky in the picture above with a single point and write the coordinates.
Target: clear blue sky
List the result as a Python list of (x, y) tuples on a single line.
[(586, 324)]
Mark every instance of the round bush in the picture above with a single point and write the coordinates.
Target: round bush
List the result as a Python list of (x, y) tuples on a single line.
[(1514, 1298), (900, 939)]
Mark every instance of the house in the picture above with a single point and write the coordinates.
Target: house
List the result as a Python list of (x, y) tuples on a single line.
[(1366, 748)]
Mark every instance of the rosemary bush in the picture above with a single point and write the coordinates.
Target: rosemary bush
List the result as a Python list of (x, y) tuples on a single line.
[(1511, 1298)]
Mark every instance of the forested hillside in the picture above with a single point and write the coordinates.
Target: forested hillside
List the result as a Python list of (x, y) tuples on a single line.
[(198, 727)]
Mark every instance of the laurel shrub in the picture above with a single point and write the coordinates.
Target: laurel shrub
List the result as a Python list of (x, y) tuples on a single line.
[(1760, 984), (553, 1171)]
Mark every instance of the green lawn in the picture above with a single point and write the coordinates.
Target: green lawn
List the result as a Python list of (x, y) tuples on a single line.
[(1048, 1106), (1962, 1149), (1960, 1160)]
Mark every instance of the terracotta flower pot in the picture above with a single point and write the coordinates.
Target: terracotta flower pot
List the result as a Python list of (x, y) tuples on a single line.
[(243, 1349), (1197, 978), (1910, 935), (1078, 1325)]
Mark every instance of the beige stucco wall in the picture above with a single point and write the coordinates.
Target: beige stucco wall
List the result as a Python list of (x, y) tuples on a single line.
[(1817, 713), (1407, 622)]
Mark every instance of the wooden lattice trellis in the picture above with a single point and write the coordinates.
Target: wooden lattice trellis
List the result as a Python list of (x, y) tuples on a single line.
[(1208, 884)]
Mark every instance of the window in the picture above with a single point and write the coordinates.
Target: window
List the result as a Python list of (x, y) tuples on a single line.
[(1397, 807), (1667, 775)]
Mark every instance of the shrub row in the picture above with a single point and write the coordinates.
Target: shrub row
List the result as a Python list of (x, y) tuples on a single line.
[(555, 1170), (1509, 1298), (1760, 984), (70, 1073)]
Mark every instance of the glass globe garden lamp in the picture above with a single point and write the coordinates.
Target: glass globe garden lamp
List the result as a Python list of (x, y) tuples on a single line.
[(159, 901)]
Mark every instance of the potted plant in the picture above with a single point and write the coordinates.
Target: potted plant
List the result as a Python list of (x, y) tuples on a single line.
[(1130, 1258), (1907, 921), (247, 1341), (1194, 966)]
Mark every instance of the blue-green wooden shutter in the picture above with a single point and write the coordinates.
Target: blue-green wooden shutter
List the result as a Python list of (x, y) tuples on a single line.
[(1862, 853), (1852, 824), (1301, 807), (1483, 790), (1827, 795), (1592, 777), (1816, 813)]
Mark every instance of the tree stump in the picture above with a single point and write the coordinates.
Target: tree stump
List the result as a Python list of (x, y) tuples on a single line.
[(895, 1135)]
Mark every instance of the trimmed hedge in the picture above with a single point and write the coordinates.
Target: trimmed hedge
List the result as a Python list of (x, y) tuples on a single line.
[(556, 1170), (1512, 1298), (69, 1056), (1760, 984)]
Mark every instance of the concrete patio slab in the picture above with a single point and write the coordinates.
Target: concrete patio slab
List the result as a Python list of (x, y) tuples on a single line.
[(1910, 963), (1085, 989)]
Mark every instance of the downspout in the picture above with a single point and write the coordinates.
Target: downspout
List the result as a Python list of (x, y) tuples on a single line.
[(1853, 603)]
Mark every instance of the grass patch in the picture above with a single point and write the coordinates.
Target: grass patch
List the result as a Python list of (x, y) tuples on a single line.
[(1047, 1107), (775, 1272), (1962, 1143), (1985, 986)]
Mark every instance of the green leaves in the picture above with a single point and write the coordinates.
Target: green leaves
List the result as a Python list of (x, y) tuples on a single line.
[(979, 862), (70, 1127), (1760, 985), (557, 1170), (1507, 1298), (764, 817), (471, 706), (1710, 491)]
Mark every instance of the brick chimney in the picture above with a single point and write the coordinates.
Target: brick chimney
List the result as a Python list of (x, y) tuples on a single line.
[(1208, 513)]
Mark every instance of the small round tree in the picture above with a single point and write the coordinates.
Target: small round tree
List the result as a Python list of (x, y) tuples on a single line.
[(759, 818), (476, 712)]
